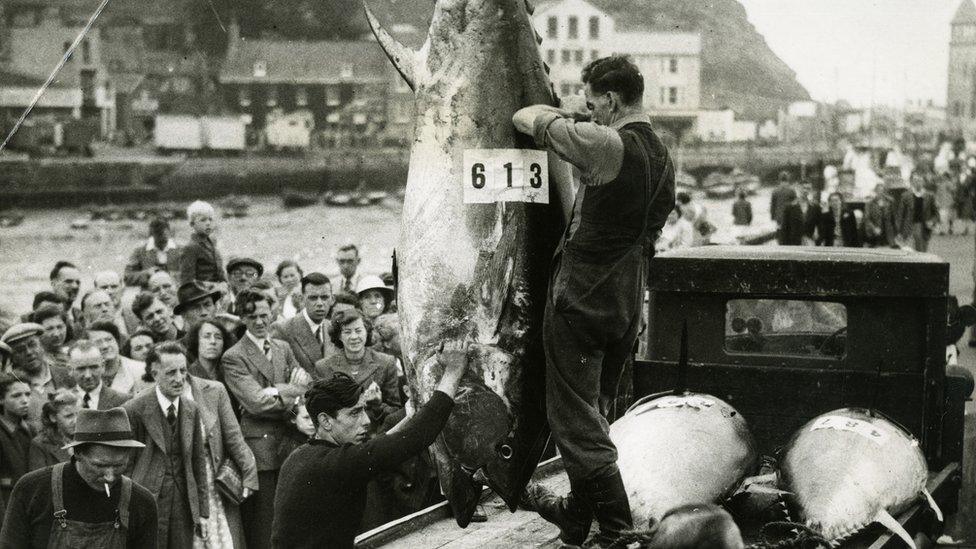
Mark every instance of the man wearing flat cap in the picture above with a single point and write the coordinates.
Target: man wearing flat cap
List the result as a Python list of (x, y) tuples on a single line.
[(196, 302), (85, 502), (30, 363), (241, 273)]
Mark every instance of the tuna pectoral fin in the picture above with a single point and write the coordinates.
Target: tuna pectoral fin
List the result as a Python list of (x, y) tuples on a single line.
[(402, 57), (933, 505), (464, 495), (889, 522)]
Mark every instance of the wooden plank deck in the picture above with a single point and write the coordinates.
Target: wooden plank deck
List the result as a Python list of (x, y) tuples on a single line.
[(434, 528)]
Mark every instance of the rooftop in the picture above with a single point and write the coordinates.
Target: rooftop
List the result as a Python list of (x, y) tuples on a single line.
[(324, 62), (966, 13)]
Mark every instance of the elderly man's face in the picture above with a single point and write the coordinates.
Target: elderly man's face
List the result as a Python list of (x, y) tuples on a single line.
[(106, 344), (112, 284), (86, 368), (98, 307), (161, 284), (241, 278), (170, 374), (67, 284), (198, 310), (28, 354), (348, 262)]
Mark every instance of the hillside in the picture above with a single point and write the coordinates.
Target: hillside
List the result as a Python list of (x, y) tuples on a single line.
[(738, 68)]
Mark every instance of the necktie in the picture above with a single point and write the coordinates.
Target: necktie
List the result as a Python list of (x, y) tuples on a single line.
[(86, 402), (347, 286), (267, 349), (171, 415), (320, 336)]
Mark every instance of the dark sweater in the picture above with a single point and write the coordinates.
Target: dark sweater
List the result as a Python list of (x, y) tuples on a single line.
[(30, 513), (321, 490)]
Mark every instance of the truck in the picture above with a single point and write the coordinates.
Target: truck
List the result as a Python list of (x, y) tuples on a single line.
[(783, 334), (190, 133)]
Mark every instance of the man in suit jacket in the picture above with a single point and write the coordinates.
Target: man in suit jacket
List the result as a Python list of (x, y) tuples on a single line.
[(86, 365), (347, 257), (262, 373), (173, 464), (308, 332), (800, 219)]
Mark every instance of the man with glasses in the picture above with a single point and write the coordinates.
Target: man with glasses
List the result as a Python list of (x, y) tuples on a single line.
[(593, 311), (262, 374), (347, 257), (241, 273), (308, 332)]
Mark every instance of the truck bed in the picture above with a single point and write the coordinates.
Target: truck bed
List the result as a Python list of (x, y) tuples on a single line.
[(434, 527)]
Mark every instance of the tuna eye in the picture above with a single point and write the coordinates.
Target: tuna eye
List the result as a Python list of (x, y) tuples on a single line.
[(505, 451)]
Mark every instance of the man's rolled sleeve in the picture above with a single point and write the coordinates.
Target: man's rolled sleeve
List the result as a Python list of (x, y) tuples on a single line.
[(598, 151)]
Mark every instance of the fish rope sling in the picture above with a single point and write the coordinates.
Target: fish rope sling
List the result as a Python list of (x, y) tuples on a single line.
[(776, 535)]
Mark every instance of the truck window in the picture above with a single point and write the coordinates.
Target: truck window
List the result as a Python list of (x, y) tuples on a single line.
[(786, 327)]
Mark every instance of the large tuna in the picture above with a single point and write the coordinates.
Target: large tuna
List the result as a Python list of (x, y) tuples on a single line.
[(848, 468), (681, 449), (476, 270)]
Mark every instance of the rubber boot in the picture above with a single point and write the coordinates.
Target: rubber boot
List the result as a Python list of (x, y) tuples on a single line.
[(607, 497), (568, 513)]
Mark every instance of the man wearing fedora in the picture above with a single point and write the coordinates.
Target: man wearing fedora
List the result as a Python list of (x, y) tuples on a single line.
[(173, 464), (308, 332), (85, 502), (197, 301)]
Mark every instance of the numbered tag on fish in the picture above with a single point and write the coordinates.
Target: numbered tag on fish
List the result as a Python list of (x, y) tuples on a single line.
[(841, 423), (505, 175), (689, 401)]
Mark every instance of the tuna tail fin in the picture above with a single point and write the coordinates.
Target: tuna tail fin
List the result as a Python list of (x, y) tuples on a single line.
[(885, 519), (933, 505), (402, 57)]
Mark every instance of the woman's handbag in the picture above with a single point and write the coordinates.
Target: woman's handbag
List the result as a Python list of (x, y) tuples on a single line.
[(228, 481)]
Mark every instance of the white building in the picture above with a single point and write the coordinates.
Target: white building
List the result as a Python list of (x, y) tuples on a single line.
[(575, 32)]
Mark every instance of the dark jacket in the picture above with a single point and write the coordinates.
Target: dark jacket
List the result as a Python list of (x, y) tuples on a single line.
[(307, 349), (742, 212), (222, 433), (27, 524), (200, 260), (264, 418), (879, 229), (14, 449), (782, 196), (797, 225), (377, 367), (46, 449), (848, 229), (321, 490), (144, 261)]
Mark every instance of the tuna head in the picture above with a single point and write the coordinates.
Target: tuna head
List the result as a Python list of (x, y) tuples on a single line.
[(848, 468), (477, 271), (680, 450)]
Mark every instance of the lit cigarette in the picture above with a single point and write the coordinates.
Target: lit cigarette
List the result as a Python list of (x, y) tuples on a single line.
[(107, 493)]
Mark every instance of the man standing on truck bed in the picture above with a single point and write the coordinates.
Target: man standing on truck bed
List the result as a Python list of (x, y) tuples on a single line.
[(596, 290)]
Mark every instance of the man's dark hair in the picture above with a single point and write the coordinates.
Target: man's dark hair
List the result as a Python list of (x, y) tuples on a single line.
[(193, 338), (346, 318), (156, 353), (246, 300), (157, 225), (142, 301), (331, 395), (48, 296), (7, 380), (315, 279), (349, 248), (46, 311), (615, 74), (56, 271), (346, 298), (105, 326)]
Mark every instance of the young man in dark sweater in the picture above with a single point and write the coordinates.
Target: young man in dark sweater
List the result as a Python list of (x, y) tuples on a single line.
[(321, 490)]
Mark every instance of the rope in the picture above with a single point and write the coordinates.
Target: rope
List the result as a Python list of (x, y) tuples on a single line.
[(628, 537), (790, 535)]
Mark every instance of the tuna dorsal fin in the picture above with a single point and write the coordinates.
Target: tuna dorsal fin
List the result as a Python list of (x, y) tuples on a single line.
[(402, 57), (682, 385), (933, 505), (885, 519)]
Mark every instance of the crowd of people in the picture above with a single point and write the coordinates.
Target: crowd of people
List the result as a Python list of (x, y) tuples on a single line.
[(211, 361)]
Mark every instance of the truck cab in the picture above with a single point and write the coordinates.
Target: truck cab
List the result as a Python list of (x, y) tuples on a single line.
[(787, 333)]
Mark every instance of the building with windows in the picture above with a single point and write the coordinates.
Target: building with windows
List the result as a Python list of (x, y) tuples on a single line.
[(349, 88), (961, 94), (574, 32)]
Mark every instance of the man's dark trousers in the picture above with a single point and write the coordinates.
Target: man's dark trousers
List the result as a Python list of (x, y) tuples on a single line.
[(590, 327)]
